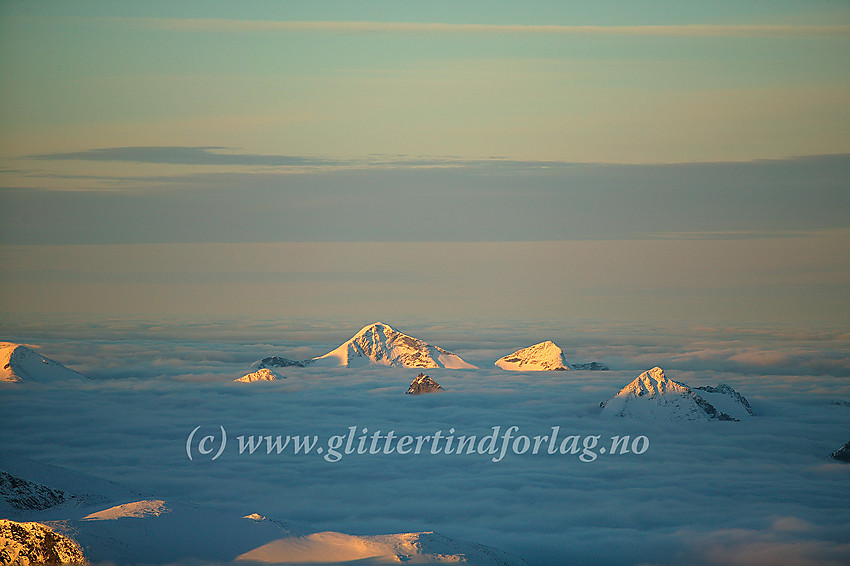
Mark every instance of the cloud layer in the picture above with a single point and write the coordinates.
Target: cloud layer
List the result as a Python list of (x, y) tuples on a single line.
[(437, 200), (715, 493)]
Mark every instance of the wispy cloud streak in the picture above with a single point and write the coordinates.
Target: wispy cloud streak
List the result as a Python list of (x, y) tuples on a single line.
[(687, 30), (183, 155)]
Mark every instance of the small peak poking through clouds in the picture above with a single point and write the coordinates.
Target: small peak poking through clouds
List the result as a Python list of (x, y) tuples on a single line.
[(263, 374), (545, 356), (423, 384), (654, 396), (22, 363)]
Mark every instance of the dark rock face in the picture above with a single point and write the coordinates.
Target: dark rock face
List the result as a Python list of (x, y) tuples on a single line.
[(423, 384), (727, 390), (712, 411), (278, 362), (842, 454), (592, 366), (28, 496)]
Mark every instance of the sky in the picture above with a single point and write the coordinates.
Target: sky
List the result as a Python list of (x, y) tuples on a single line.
[(612, 160)]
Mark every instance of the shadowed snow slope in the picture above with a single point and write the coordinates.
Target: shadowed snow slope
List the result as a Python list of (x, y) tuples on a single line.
[(34, 490), (20, 363), (545, 356), (654, 396), (115, 525), (380, 344)]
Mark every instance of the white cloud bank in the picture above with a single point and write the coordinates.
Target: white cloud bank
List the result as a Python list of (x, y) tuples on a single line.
[(711, 493)]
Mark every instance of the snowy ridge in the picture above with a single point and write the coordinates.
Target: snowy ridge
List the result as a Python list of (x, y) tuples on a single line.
[(726, 399), (263, 374), (414, 548), (380, 344), (545, 356), (21, 363), (654, 396), (138, 509)]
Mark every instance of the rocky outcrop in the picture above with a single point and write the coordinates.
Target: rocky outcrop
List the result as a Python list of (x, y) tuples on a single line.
[(423, 384), (842, 454), (25, 495), (278, 362), (26, 544), (590, 366)]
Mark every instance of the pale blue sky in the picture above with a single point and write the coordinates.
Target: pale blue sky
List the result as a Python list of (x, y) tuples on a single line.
[(651, 82), (215, 123)]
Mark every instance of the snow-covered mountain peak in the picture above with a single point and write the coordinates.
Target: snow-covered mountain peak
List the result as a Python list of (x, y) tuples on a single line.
[(381, 344), (21, 363), (545, 356), (654, 396), (375, 327), (652, 382)]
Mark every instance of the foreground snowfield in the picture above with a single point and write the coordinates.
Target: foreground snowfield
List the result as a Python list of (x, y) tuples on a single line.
[(750, 492)]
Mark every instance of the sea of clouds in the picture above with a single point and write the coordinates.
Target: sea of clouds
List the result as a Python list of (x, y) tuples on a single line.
[(755, 492)]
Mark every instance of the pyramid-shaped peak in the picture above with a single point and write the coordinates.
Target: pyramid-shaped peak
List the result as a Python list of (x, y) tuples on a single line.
[(380, 344), (652, 395), (375, 327), (656, 373), (653, 382)]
